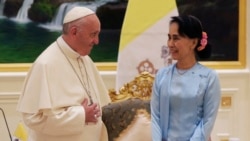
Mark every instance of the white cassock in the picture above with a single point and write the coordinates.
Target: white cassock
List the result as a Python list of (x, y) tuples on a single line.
[(53, 93)]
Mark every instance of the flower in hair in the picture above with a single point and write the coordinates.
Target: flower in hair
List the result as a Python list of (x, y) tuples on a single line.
[(204, 39)]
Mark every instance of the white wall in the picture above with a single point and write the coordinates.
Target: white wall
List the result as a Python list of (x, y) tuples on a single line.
[(10, 87)]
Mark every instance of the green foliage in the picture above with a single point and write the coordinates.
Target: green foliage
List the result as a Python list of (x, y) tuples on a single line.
[(42, 11)]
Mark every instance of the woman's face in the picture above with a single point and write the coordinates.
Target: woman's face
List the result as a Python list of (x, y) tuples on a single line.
[(181, 47)]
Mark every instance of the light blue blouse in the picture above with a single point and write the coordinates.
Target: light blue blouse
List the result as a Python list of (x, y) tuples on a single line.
[(184, 106)]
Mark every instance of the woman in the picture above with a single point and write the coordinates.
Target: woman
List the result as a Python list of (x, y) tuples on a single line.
[(186, 95)]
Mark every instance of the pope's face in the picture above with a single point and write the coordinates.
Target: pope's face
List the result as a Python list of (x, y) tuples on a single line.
[(88, 35)]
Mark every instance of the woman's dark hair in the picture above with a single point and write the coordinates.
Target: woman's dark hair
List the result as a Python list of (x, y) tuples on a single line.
[(191, 27)]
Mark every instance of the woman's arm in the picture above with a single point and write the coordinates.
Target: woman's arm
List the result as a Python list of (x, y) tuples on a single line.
[(211, 105), (155, 115)]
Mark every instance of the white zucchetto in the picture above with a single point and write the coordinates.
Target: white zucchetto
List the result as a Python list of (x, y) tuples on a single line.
[(77, 13)]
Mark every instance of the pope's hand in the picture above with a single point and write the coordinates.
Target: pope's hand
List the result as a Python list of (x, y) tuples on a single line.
[(92, 112)]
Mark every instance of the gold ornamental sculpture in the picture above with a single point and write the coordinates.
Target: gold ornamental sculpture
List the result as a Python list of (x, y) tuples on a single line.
[(140, 87)]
